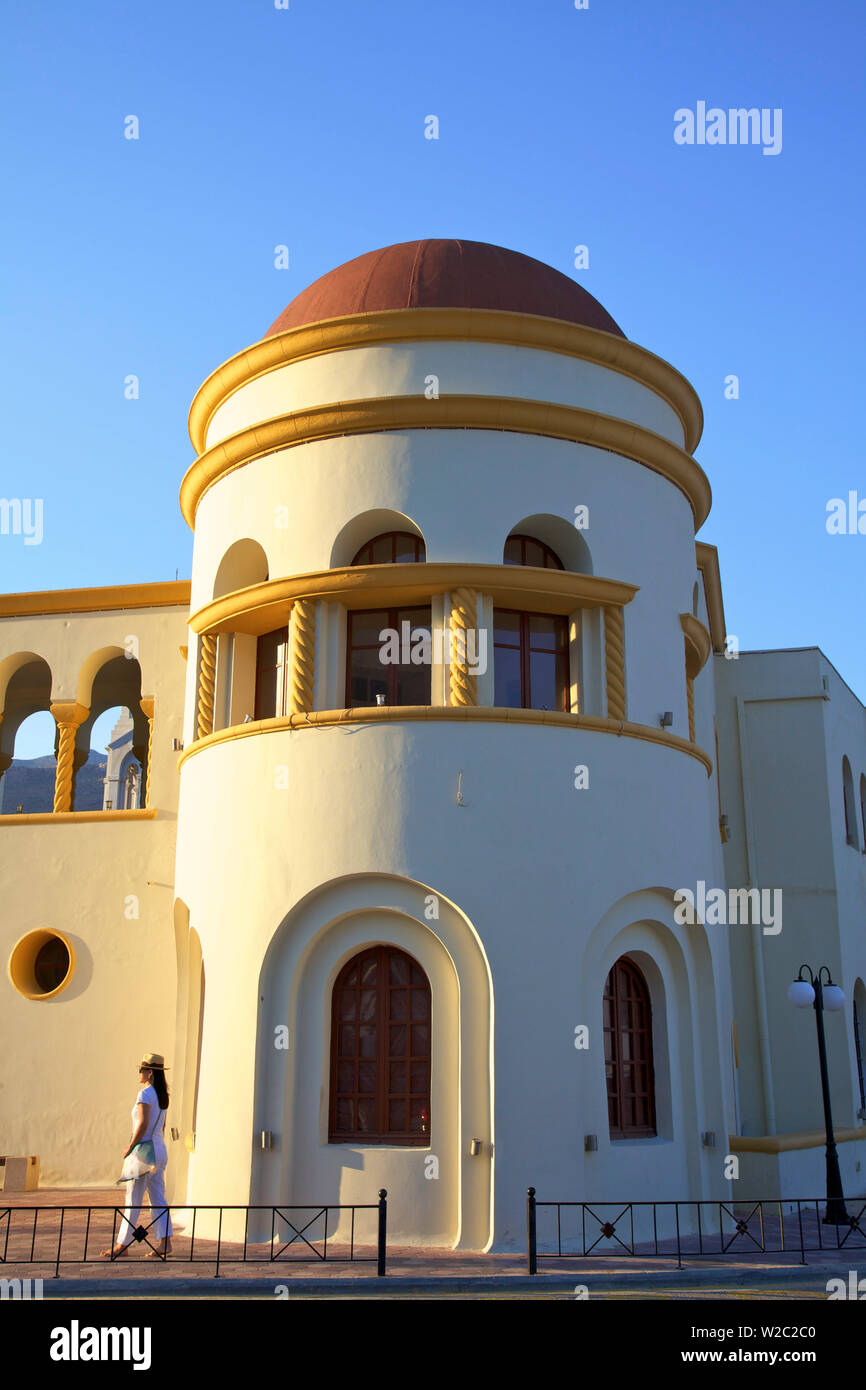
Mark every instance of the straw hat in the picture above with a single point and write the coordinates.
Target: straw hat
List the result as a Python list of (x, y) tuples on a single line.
[(153, 1059)]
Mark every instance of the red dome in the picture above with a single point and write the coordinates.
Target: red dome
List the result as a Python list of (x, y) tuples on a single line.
[(445, 275)]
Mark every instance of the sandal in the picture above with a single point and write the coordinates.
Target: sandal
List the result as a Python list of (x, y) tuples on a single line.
[(114, 1252)]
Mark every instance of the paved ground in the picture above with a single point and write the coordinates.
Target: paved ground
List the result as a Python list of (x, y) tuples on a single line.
[(29, 1247)]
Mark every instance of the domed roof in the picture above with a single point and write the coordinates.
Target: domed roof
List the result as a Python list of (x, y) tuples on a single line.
[(438, 274)]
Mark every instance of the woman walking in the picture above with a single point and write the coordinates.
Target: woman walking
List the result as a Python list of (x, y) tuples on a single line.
[(148, 1118)]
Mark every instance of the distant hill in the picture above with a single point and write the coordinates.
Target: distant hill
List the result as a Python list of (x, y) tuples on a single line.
[(29, 783)]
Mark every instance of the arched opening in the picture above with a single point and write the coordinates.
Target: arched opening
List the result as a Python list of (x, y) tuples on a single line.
[(851, 833), (307, 957), (628, 1053), (111, 777), (116, 726), (244, 563), (380, 1050), (556, 538), (28, 736), (372, 529), (858, 1010)]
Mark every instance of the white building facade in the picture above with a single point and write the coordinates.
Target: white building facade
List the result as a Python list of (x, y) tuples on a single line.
[(458, 731)]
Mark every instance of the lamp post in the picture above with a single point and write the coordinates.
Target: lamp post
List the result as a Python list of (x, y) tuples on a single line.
[(823, 994)]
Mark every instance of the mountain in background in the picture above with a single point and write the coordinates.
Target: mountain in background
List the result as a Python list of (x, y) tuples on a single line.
[(28, 785)]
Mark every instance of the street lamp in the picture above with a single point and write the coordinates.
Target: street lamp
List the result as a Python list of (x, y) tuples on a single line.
[(823, 994)]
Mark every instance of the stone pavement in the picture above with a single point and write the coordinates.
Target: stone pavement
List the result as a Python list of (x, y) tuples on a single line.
[(29, 1248)]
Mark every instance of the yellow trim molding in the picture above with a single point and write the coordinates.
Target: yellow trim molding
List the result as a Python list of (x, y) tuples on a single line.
[(23, 959), (403, 714), (68, 817), (708, 564), (697, 643), (376, 415), (264, 607), (456, 325), (173, 594), (787, 1143)]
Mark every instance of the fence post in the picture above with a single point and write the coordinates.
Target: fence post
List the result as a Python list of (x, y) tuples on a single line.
[(383, 1230), (531, 1249)]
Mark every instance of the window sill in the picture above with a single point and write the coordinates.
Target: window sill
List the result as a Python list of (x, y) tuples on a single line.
[(67, 817)]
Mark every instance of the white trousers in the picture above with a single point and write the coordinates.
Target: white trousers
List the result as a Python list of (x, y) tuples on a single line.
[(154, 1185)]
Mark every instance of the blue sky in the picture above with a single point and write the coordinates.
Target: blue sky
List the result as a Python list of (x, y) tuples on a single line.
[(305, 127)]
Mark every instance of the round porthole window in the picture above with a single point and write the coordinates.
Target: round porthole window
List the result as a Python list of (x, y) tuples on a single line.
[(42, 963)]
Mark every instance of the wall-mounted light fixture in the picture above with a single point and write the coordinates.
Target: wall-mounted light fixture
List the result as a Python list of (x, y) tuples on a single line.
[(267, 1139), (708, 1138), (667, 719), (590, 1143), (475, 1147), (177, 745)]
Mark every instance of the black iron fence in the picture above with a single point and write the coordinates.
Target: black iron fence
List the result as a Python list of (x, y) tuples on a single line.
[(691, 1230), (226, 1235)]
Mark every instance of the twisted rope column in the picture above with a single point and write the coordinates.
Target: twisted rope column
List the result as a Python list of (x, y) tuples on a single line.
[(147, 707), (70, 715), (206, 684), (690, 698), (614, 661), (303, 657), (463, 686)]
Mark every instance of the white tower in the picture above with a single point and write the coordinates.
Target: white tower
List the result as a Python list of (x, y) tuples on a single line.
[(434, 896)]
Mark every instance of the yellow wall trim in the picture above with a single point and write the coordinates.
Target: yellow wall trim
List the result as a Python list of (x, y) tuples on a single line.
[(67, 817), (378, 414), (708, 564), (697, 643), (263, 607), (787, 1143), (172, 594), (456, 325), (403, 714)]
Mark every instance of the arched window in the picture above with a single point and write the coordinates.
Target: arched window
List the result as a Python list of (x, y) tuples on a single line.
[(525, 550), (850, 812), (130, 788), (380, 1051), (628, 1053), (859, 1053), (392, 548)]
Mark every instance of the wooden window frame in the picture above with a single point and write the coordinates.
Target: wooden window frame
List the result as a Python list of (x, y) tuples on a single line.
[(549, 553), (641, 1056), (382, 1096), (394, 537), (394, 620), (526, 650), (282, 674)]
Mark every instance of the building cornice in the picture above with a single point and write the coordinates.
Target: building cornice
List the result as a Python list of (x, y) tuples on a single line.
[(264, 607), (171, 594), (708, 564), (457, 325), (374, 415)]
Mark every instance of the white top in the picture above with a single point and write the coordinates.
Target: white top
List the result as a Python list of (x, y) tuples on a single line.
[(148, 1096)]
